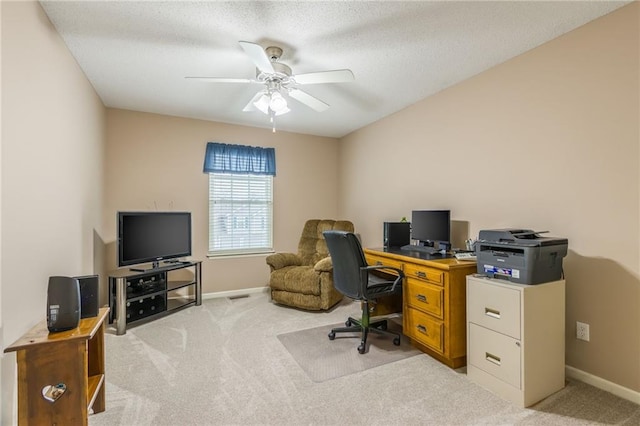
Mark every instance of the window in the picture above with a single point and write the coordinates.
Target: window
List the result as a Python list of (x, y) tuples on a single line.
[(240, 198), (240, 213)]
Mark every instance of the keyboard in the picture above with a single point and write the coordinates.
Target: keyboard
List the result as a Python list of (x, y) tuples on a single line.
[(466, 256), (420, 249)]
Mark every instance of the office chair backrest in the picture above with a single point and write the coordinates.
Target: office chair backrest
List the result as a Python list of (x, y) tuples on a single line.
[(348, 259)]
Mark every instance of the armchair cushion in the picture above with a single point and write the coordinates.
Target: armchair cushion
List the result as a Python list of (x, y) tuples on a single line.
[(324, 265), (297, 279), (280, 260)]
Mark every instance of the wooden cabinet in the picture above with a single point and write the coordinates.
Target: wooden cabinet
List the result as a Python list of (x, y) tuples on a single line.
[(516, 338), (69, 365), (434, 302)]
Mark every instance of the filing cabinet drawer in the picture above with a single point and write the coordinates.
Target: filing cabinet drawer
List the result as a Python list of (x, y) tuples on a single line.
[(425, 329), (376, 260), (426, 297), (494, 307), (434, 276), (495, 353)]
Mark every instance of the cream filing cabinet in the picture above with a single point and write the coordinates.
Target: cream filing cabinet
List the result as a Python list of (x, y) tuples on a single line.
[(516, 338)]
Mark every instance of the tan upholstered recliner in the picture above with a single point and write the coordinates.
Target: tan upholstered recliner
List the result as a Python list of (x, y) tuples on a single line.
[(305, 280)]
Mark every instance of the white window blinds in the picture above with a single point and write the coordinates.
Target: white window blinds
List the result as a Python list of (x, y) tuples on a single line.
[(240, 214)]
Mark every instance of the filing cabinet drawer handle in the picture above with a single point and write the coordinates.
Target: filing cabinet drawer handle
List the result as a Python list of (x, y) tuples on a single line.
[(421, 298), (422, 329), (421, 274), (492, 313), (492, 358)]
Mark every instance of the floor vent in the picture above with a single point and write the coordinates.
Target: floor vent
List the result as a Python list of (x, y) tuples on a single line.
[(238, 296)]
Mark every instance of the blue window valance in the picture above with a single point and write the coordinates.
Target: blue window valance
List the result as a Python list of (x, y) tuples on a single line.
[(239, 159)]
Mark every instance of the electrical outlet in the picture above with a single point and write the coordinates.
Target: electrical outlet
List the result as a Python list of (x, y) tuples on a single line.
[(582, 331)]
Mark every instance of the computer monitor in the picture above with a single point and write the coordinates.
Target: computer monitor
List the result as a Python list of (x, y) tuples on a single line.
[(429, 226)]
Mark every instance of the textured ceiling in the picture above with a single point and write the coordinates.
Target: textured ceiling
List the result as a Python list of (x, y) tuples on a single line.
[(136, 54)]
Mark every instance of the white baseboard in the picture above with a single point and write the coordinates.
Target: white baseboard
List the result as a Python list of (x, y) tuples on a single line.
[(603, 384), (235, 293)]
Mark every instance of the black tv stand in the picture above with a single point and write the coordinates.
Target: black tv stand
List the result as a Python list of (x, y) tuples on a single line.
[(138, 294)]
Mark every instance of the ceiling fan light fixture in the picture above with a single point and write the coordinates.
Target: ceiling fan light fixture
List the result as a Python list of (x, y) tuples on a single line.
[(263, 104), (278, 103)]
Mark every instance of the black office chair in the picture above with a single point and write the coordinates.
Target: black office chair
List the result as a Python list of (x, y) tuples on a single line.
[(354, 278)]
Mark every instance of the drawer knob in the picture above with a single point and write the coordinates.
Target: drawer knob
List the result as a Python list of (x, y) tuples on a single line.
[(493, 313), (421, 298), (421, 274), (492, 358), (422, 329)]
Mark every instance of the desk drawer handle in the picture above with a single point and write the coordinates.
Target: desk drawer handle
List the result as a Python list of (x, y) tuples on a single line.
[(492, 358), (421, 274), (492, 313), (421, 298), (422, 329)]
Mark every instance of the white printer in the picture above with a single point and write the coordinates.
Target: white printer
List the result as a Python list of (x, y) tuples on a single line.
[(520, 255)]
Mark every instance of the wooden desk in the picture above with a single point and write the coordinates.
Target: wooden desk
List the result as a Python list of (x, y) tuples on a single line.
[(433, 302), (73, 357)]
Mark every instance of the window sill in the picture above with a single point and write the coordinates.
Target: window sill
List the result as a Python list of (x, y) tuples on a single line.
[(237, 255)]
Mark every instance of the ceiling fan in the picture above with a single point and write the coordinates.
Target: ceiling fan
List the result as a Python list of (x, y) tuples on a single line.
[(280, 82)]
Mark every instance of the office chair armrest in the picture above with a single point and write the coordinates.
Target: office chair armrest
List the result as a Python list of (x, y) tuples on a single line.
[(324, 265), (389, 270), (280, 260)]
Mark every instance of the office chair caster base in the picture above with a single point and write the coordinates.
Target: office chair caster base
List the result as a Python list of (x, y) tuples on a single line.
[(348, 322), (332, 335), (361, 348)]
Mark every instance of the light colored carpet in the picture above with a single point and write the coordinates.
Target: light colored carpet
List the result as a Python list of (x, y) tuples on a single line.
[(222, 364), (323, 359)]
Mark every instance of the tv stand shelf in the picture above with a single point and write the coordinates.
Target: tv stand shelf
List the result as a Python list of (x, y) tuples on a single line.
[(143, 295)]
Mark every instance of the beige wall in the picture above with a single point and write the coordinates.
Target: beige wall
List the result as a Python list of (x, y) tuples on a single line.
[(547, 141), (53, 127), (154, 162)]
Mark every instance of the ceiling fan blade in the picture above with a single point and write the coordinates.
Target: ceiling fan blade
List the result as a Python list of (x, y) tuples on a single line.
[(310, 101), (222, 79), (250, 106), (335, 76), (258, 56)]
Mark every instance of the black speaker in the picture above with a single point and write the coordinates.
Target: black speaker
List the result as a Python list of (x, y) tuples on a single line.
[(396, 234), (63, 303), (89, 287)]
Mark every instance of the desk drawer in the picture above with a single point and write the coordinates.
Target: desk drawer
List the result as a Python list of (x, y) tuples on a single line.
[(379, 260), (425, 329), (433, 276), (495, 353), (494, 307), (426, 297)]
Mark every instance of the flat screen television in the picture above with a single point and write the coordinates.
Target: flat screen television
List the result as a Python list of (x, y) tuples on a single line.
[(429, 226), (153, 236)]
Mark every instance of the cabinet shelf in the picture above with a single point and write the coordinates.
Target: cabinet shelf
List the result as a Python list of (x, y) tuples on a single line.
[(148, 294), (178, 303), (175, 285), (93, 386)]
